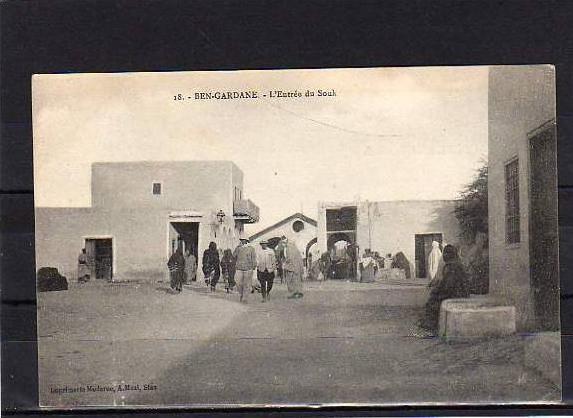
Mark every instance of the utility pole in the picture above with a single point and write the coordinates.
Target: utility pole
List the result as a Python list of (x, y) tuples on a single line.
[(369, 226)]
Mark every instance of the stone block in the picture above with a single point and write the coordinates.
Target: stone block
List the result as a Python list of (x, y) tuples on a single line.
[(476, 317)]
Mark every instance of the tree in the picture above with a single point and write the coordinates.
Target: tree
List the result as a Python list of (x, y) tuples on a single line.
[(471, 213)]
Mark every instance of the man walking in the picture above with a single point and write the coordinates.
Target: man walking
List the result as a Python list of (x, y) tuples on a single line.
[(245, 263), (266, 267)]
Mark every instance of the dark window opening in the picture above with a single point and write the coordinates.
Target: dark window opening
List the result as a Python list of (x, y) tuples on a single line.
[(297, 226), (343, 219), (157, 188), (512, 233)]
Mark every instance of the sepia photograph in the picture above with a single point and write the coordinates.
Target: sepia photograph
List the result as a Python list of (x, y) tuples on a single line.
[(353, 236)]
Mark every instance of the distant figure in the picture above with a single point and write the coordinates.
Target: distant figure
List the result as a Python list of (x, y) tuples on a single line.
[(190, 266), (325, 265), (435, 263), (401, 262), (228, 269), (388, 260), (211, 268), (351, 252), (84, 271), (367, 267), (453, 284), (293, 267), (280, 255), (314, 269), (176, 266), (266, 267), (245, 264)]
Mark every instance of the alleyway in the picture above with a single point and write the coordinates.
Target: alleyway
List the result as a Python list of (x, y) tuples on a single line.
[(341, 343)]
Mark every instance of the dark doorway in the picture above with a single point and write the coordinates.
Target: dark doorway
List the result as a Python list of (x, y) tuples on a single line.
[(343, 257), (423, 246), (184, 234), (100, 251), (341, 226), (543, 229)]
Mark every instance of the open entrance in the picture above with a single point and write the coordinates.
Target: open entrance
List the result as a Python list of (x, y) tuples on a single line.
[(543, 229), (341, 241), (185, 235), (423, 246), (100, 250)]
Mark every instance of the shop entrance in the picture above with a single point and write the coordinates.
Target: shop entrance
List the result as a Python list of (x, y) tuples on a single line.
[(341, 241), (184, 234), (100, 253)]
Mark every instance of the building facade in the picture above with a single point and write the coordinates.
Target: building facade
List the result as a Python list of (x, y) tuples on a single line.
[(389, 227), (298, 228), (140, 213), (522, 195)]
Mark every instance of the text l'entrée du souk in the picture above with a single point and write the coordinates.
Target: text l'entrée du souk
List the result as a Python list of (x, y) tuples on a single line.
[(254, 94)]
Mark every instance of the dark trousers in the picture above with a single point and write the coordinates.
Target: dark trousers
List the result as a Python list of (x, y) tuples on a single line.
[(266, 280)]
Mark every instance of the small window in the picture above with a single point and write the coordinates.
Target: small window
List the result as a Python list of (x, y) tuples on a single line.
[(297, 226), (512, 232), (156, 188)]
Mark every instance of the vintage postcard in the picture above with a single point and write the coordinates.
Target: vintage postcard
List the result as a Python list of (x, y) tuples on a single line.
[(374, 236)]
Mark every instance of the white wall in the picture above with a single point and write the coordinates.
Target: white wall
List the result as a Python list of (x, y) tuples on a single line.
[(301, 239), (390, 227), (521, 98)]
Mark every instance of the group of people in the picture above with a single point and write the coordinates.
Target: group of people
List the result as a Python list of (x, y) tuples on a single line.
[(239, 266), (371, 262), (335, 264), (182, 268)]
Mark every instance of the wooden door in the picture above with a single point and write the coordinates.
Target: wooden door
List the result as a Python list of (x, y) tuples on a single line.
[(543, 229)]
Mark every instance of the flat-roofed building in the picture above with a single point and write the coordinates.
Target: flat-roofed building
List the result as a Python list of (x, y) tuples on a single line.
[(140, 213)]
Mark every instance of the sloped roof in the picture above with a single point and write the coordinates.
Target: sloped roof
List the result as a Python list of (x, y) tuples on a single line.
[(297, 215)]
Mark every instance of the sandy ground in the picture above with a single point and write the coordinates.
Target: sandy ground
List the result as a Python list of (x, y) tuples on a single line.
[(341, 343)]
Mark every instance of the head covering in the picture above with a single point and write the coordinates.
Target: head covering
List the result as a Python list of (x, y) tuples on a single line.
[(212, 246), (450, 254), (434, 260)]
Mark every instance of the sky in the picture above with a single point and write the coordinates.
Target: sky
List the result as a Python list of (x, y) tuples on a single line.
[(388, 134)]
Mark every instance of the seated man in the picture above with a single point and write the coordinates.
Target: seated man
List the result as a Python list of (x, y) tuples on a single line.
[(453, 284)]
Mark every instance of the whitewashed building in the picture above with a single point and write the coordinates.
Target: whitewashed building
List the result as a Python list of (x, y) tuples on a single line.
[(523, 229), (140, 212), (298, 228)]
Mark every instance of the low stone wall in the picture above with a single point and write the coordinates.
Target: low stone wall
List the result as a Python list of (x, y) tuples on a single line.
[(476, 317)]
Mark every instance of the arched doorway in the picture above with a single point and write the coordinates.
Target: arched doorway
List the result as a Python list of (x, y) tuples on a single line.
[(343, 255), (309, 245)]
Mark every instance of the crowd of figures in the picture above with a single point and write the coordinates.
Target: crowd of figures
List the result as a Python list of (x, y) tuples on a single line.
[(371, 264), (343, 265), (447, 275), (238, 267)]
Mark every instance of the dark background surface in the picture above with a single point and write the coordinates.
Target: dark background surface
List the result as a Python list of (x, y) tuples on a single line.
[(143, 35)]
